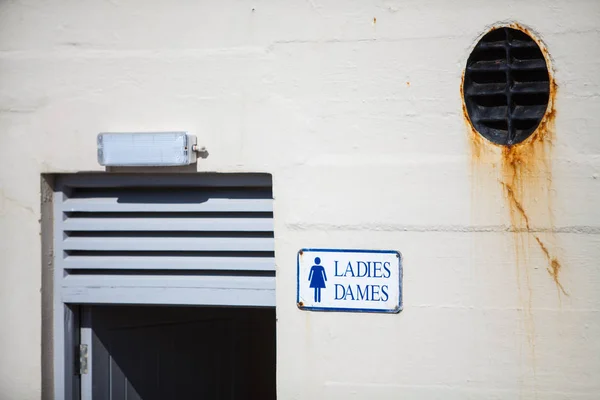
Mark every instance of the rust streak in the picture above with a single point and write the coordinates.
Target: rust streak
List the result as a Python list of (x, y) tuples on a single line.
[(524, 167), (523, 173), (513, 199), (555, 266), (526, 171)]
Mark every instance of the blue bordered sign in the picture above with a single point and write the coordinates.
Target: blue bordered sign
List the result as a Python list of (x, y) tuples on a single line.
[(349, 280)]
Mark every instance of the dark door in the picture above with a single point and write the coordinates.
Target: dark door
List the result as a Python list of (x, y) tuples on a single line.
[(180, 353)]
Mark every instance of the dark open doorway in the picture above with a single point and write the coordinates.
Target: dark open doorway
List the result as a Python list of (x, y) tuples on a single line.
[(150, 352)]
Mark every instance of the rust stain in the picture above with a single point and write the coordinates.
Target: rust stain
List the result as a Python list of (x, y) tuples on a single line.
[(554, 267), (408, 83), (374, 20), (525, 174), (517, 205)]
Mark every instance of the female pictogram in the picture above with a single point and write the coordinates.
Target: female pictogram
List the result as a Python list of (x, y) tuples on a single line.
[(317, 278)]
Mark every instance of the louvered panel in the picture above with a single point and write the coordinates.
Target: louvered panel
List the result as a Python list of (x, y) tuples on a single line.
[(145, 233)]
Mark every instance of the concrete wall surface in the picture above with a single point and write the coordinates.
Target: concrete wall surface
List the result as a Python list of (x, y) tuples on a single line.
[(355, 109)]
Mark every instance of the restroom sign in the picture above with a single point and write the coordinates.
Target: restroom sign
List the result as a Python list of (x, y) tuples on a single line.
[(349, 280)]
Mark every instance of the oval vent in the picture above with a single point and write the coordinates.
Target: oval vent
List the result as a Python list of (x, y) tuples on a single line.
[(506, 86)]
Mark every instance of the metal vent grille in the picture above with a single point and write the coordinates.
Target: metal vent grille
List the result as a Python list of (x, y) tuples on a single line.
[(506, 87), (203, 239)]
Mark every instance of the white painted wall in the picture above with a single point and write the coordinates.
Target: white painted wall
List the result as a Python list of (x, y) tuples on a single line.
[(354, 108)]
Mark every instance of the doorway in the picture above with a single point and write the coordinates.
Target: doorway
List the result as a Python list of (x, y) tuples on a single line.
[(178, 353), (167, 283)]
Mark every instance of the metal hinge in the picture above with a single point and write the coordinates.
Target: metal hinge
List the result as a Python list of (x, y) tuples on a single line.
[(83, 359)]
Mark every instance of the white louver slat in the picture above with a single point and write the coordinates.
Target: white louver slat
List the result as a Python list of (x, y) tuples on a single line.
[(208, 205), (167, 239)]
